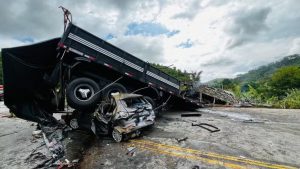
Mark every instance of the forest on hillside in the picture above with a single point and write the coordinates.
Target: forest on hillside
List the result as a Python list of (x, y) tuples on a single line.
[(276, 84)]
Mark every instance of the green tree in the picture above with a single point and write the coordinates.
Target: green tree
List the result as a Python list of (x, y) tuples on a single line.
[(183, 76), (227, 84), (291, 101), (236, 89), (285, 78)]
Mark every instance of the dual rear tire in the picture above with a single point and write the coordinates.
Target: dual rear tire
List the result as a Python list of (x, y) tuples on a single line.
[(84, 93)]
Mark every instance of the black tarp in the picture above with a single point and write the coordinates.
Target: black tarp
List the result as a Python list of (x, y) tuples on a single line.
[(26, 92)]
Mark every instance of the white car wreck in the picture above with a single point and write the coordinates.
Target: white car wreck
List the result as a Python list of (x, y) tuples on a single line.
[(125, 116)]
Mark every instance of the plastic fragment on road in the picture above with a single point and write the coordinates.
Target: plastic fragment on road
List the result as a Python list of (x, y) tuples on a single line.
[(191, 115), (181, 139), (208, 127), (131, 151)]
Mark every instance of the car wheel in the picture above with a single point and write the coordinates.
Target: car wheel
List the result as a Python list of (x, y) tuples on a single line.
[(73, 123), (117, 136), (81, 93)]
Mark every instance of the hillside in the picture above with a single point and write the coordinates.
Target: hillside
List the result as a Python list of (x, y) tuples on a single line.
[(215, 82), (276, 84), (267, 70), (259, 74)]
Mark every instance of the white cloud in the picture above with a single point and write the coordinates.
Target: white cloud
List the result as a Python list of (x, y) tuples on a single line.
[(147, 48), (227, 37), (295, 47)]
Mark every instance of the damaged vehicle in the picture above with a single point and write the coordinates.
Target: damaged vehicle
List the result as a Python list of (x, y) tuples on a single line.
[(123, 117), (77, 74), (81, 71), (127, 115)]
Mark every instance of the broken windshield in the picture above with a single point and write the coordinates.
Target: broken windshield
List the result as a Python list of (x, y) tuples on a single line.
[(133, 102)]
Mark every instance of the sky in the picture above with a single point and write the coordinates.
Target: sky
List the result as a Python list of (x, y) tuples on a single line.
[(222, 38)]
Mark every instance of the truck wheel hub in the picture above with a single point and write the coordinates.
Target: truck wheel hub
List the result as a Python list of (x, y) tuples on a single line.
[(84, 92)]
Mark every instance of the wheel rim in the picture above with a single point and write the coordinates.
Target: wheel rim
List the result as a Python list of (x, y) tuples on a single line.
[(113, 91), (138, 132), (117, 136), (84, 92), (74, 124)]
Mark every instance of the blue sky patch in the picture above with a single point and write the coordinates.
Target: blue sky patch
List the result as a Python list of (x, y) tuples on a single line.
[(148, 29), (172, 33), (25, 39), (187, 44), (109, 37)]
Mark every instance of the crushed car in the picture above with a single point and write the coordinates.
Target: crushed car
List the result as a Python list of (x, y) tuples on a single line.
[(123, 117)]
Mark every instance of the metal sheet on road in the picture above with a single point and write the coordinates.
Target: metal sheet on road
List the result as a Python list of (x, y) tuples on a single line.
[(206, 157)]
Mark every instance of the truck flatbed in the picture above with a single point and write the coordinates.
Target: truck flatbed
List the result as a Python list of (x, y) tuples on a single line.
[(97, 50)]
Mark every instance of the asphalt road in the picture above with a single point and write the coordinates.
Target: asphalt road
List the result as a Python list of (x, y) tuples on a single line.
[(248, 138)]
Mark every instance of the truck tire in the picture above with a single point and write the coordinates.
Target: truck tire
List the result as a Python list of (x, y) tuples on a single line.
[(81, 92), (153, 103), (116, 87)]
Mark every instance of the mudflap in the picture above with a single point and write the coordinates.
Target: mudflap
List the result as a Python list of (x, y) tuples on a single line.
[(33, 111)]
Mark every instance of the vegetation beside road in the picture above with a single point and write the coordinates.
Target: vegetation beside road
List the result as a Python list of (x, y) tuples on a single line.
[(276, 84), (183, 76)]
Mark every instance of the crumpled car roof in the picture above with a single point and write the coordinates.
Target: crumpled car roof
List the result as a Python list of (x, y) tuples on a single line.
[(121, 96)]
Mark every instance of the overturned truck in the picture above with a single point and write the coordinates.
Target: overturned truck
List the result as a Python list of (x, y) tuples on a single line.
[(83, 70)]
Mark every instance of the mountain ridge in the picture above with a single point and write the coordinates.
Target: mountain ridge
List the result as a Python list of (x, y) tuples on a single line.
[(262, 72)]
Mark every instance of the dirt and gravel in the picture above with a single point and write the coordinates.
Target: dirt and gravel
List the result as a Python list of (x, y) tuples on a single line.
[(248, 138)]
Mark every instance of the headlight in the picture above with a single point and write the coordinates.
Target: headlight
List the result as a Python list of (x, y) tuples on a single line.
[(123, 114)]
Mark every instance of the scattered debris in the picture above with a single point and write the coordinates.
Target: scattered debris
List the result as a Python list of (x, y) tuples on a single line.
[(33, 140), (216, 95), (40, 159), (8, 133), (67, 163), (45, 163), (181, 139), (34, 150), (54, 146), (5, 116), (37, 134), (252, 121), (243, 104), (195, 167), (131, 151), (203, 125), (75, 161), (191, 115), (34, 156)]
